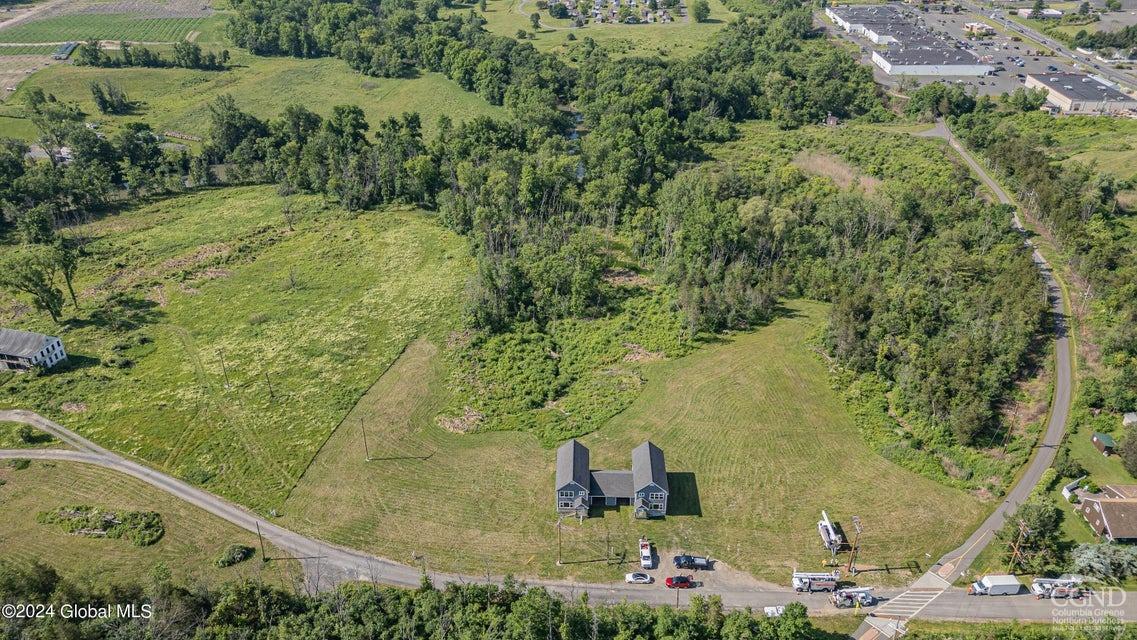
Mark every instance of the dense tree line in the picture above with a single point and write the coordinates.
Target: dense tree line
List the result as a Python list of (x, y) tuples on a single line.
[(254, 610), (1124, 39), (1078, 205), (83, 173), (186, 55), (930, 288), (532, 200), (539, 198)]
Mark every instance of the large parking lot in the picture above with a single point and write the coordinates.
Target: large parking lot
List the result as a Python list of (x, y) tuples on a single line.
[(1013, 59)]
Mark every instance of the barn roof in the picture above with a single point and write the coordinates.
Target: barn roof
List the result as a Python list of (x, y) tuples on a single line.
[(24, 344)]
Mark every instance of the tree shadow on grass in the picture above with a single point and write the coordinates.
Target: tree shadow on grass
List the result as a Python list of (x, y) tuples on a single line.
[(120, 312)]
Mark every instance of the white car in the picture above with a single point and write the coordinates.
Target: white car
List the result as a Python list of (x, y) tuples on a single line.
[(637, 578)]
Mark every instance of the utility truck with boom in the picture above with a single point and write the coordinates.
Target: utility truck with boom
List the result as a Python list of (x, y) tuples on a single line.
[(803, 581)]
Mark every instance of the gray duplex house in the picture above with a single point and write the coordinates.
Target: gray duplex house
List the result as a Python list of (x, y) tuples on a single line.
[(644, 487)]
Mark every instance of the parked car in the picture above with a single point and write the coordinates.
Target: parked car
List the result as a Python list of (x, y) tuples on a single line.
[(638, 578), (679, 582), (693, 562)]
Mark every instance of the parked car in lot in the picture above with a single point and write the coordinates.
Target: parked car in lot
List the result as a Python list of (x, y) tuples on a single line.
[(693, 562), (679, 582), (638, 578)]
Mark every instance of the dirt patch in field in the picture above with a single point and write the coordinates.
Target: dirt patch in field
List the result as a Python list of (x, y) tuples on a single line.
[(465, 423), (201, 255), (830, 166), (636, 353), (73, 407), (621, 277)]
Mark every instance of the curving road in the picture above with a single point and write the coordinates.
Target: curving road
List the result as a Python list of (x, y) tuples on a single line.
[(955, 563), (930, 597)]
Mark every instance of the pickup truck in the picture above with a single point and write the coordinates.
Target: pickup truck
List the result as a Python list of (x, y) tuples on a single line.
[(693, 562), (646, 560)]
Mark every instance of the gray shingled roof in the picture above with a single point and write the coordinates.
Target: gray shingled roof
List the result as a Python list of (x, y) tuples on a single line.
[(613, 484), (572, 464), (24, 344), (648, 466)]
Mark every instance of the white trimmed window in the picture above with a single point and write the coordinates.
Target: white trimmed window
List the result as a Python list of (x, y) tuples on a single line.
[(656, 497), (657, 506), (564, 504), (565, 494)]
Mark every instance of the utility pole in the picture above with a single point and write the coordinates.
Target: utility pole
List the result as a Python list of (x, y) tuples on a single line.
[(268, 381), (1014, 423), (559, 519), (366, 452), (224, 369), (851, 567), (1016, 546), (264, 558)]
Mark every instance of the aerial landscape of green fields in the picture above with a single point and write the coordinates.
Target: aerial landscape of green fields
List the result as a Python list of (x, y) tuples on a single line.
[(552, 319)]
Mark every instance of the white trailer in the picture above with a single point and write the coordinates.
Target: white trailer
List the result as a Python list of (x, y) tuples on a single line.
[(811, 582), (995, 585)]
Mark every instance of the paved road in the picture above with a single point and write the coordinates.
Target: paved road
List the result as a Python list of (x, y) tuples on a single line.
[(1105, 70), (955, 563), (930, 596), (326, 564)]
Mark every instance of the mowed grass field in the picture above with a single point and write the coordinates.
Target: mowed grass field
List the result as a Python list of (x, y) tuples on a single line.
[(757, 444), (190, 547), (101, 26), (215, 343), (677, 39), (179, 99)]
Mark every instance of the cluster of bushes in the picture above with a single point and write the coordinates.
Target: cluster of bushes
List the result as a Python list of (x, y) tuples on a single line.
[(140, 528), (235, 554)]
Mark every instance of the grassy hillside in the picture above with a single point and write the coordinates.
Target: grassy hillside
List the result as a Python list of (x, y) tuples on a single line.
[(216, 343), (192, 543), (178, 99), (757, 445)]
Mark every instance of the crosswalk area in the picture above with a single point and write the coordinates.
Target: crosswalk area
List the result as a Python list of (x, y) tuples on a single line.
[(907, 604)]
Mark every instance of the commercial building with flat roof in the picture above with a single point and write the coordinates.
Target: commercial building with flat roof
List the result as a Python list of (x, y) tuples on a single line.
[(921, 61), (1080, 93), (912, 49)]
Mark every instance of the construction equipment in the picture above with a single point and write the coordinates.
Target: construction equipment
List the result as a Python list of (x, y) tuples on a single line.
[(803, 581), (852, 597), (830, 537), (1057, 588)]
